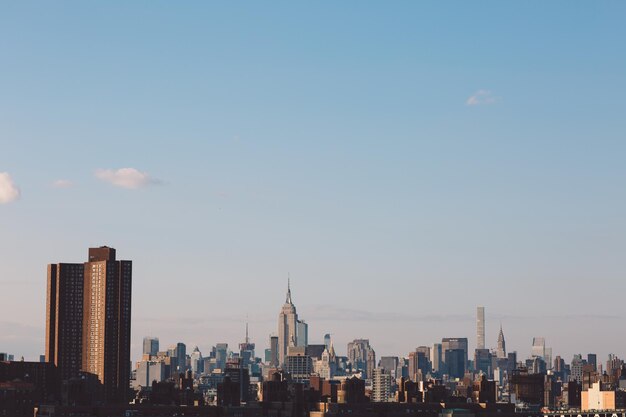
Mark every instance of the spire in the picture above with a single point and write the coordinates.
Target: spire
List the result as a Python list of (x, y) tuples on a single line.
[(247, 339), (288, 300), (501, 351)]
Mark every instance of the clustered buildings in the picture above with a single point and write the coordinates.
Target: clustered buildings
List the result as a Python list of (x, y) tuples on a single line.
[(87, 368)]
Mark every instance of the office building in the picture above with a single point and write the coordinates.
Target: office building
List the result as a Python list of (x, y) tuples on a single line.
[(221, 355), (150, 346), (273, 360), (483, 362), (291, 331), (327, 340), (454, 343), (196, 362), (592, 359), (389, 364), (298, 364), (436, 357), (148, 372), (501, 350), (539, 347), (455, 362), (302, 338), (361, 356)]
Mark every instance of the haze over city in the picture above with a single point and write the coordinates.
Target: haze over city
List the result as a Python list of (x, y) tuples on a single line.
[(402, 163)]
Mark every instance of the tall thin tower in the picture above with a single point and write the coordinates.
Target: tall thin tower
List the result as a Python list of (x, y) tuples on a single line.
[(480, 327), (287, 327), (501, 351)]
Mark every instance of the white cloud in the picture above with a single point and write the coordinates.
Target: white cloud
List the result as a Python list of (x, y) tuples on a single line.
[(481, 97), (8, 190), (126, 178), (62, 184)]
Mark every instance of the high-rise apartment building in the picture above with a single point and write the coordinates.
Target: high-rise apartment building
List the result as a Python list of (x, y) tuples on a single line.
[(64, 318), (88, 321), (106, 322), (381, 385), (480, 327)]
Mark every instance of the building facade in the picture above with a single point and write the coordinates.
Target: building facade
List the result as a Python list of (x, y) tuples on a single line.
[(64, 318), (88, 312), (480, 327), (291, 331)]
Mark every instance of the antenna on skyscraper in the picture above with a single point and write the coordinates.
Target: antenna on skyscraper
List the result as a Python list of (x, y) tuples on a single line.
[(288, 301)]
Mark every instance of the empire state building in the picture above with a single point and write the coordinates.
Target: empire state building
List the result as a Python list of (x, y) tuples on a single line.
[(291, 331)]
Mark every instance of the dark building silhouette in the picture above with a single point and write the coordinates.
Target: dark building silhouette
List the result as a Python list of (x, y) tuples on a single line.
[(64, 318), (239, 376), (573, 394), (483, 361), (527, 387), (24, 385), (275, 389), (484, 391), (408, 392), (352, 391), (455, 362), (228, 393)]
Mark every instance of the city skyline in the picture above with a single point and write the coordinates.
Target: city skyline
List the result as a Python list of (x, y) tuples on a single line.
[(405, 164)]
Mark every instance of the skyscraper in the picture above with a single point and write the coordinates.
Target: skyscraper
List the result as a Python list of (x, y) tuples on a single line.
[(480, 327), (150, 346), (88, 320), (106, 322), (539, 347), (436, 357), (274, 351), (454, 343), (362, 357), (288, 328), (501, 350), (64, 318)]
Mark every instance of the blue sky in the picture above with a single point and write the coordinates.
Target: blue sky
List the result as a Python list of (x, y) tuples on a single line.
[(404, 162)]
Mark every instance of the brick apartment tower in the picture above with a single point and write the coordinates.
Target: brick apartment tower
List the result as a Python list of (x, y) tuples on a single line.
[(88, 321), (64, 318)]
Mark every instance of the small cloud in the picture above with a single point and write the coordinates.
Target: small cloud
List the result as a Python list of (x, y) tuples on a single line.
[(62, 184), (9, 192), (126, 178), (481, 97)]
